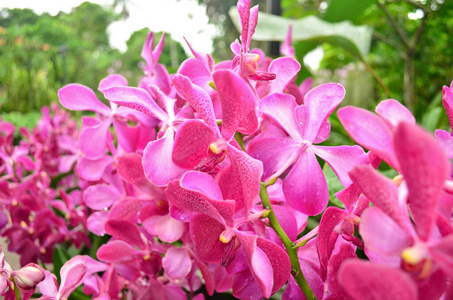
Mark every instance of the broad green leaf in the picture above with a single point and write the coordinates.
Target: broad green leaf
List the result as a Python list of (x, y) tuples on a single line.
[(355, 39), (334, 185), (341, 10)]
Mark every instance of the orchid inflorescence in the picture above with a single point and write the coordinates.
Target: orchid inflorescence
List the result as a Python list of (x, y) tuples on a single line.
[(208, 176)]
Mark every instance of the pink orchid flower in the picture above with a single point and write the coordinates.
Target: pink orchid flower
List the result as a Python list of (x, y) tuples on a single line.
[(72, 274), (390, 238), (217, 236), (155, 73), (292, 142), (245, 61), (375, 132), (95, 137)]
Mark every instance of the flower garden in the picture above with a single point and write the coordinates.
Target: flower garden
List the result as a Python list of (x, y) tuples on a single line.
[(201, 184)]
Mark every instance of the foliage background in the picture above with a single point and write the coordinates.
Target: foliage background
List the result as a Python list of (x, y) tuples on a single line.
[(41, 53)]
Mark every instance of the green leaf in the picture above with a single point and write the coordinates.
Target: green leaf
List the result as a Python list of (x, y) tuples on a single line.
[(355, 39), (341, 10), (431, 118), (334, 185), (60, 256), (390, 173), (79, 295)]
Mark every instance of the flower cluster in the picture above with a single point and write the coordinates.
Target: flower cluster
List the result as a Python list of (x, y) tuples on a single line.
[(208, 176)]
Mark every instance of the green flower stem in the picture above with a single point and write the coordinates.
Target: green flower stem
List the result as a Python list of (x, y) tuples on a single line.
[(292, 252), (16, 290)]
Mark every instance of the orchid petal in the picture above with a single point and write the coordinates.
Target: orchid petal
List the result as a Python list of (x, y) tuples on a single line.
[(323, 133), (393, 112), (346, 251), (205, 235), (72, 273), (441, 253), (177, 263), (192, 144), (147, 50), (198, 99), (342, 159), (245, 287), (242, 180), (136, 98), (380, 190), (96, 222), (237, 98), (326, 236), (249, 124), (281, 107), (287, 48), (258, 263), (126, 231), (116, 250), (130, 167), (93, 140), (111, 81), (197, 72), (308, 194), (447, 101), (321, 102), (197, 192), (380, 233), (93, 169), (446, 141), (286, 69), (126, 209), (100, 196), (281, 265), (157, 163), (277, 154), (168, 229), (79, 97), (363, 280), (369, 131), (425, 168)]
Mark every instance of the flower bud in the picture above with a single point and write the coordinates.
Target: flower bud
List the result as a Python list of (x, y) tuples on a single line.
[(28, 277)]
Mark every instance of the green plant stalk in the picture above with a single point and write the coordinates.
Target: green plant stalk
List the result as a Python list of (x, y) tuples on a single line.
[(16, 289), (292, 252)]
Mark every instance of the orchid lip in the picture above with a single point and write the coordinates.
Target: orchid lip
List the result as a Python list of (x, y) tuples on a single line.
[(415, 254), (218, 146)]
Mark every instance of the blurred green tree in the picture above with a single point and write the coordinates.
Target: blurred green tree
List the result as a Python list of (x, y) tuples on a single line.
[(410, 47), (41, 53)]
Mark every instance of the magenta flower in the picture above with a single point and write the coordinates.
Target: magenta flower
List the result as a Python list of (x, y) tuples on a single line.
[(72, 274), (444, 137), (200, 145), (245, 60), (447, 101), (299, 127), (157, 162), (365, 280), (6, 286), (388, 233), (198, 69), (95, 138), (375, 132), (217, 236), (27, 278), (155, 73)]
